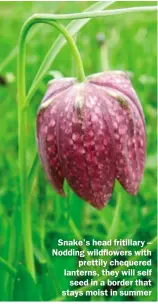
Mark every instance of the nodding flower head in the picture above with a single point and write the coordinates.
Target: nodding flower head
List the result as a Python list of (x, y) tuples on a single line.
[(92, 133)]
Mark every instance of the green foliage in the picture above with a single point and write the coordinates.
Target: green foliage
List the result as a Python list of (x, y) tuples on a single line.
[(24, 289), (131, 42)]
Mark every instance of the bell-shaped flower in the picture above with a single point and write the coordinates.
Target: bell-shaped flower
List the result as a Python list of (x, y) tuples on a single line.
[(92, 133)]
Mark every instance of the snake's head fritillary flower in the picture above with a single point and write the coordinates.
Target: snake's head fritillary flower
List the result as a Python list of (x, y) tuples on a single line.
[(92, 133)]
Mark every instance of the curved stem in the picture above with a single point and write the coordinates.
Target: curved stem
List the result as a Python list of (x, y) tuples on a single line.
[(22, 131), (22, 120), (76, 54)]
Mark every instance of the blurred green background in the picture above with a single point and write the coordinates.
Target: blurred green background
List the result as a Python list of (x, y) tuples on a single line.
[(131, 42)]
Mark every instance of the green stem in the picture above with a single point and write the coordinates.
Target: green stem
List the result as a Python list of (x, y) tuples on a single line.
[(42, 18), (74, 49), (22, 124), (22, 132), (95, 14)]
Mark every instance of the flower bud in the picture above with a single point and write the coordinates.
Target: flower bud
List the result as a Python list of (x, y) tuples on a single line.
[(92, 133)]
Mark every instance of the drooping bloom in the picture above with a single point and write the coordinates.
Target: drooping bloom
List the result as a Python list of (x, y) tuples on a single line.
[(92, 133)]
